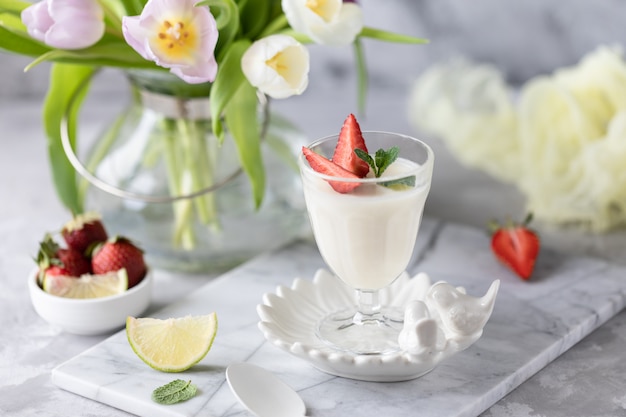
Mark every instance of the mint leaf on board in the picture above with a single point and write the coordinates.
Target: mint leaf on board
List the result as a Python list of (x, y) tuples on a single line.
[(176, 391)]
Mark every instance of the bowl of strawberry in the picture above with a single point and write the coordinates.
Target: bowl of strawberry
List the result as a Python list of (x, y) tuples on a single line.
[(87, 282)]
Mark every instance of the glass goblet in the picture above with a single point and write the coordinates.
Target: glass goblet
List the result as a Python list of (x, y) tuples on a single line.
[(367, 237)]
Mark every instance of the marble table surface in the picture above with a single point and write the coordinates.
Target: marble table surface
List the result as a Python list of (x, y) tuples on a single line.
[(529, 327), (587, 380)]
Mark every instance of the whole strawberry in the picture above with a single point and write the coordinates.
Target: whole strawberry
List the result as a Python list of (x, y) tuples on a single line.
[(516, 246), (53, 260), (83, 231), (117, 253)]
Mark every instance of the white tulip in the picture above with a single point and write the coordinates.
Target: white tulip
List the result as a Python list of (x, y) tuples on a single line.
[(278, 65), (328, 22)]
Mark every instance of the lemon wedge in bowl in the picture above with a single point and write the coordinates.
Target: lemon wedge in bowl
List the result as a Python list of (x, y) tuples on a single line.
[(87, 286), (174, 344), (90, 316)]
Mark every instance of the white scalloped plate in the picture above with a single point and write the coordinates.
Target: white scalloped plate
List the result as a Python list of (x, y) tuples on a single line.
[(289, 318)]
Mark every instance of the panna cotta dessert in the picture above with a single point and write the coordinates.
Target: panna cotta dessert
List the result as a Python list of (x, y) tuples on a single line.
[(365, 210), (367, 236)]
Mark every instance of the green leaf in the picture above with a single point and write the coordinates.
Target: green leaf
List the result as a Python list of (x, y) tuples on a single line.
[(15, 6), (115, 9), (400, 184), (241, 118), (228, 80), (300, 37), (383, 35), (174, 392), (361, 75), (99, 152), (279, 24), (385, 158), (254, 16), (13, 21), (118, 51), (17, 41), (366, 157), (278, 135), (382, 159), (68, 86), (124, 7), (226, 13), (117, 54)]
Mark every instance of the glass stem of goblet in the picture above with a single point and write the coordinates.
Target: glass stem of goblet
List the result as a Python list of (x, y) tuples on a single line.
[(368, 306)]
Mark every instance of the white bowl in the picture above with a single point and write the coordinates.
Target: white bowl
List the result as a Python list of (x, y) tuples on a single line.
[(90, 316)]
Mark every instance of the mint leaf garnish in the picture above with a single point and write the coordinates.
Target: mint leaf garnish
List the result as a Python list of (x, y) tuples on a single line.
[(366, 157), (174, 392), (400, 183), (382, 159)]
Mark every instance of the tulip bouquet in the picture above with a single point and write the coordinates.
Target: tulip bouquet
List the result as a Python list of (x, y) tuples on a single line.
[(230, 49)]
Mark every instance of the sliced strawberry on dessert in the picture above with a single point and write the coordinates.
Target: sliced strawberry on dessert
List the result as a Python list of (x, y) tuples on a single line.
[(53, 260), (83, 231), (328, 167), (117, 253), (516, 246), (351, 138)]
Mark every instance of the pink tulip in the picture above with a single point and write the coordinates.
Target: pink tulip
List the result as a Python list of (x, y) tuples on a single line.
[(65, 24), (175, 34)]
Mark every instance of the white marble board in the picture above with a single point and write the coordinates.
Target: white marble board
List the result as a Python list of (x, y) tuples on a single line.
[(532, 324)]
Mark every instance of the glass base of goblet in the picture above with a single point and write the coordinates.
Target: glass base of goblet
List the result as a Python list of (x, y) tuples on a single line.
[(362, 334)]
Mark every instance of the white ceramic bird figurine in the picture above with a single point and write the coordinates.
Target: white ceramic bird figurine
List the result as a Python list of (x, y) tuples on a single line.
[(461, 315), (420, 331)]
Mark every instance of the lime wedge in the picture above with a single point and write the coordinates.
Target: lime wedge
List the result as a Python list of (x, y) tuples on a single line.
[(87, 286), (172, 345)]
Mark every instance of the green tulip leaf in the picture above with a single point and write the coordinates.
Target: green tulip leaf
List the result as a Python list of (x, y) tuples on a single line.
[(131, 7), (254, 16), (383, 35), (13, 37), (228, 80), (226, 13), (68, 86), (15, 6), (106, 54), (361, 75), (241, 118), (278, 25)]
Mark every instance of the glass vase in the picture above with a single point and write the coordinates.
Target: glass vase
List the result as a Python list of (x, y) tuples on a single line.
[(164, 180)]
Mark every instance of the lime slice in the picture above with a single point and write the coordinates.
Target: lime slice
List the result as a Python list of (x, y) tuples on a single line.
[(87, 286), (172, 345)]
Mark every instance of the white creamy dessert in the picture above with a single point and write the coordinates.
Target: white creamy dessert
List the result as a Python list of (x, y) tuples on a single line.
[(366, 236)]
